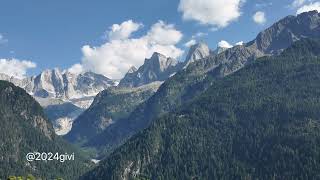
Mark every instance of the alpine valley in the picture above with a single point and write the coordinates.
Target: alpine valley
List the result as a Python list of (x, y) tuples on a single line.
[(249, 111)]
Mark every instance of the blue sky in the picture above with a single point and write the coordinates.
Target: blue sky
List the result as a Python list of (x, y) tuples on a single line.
[(53, 33)]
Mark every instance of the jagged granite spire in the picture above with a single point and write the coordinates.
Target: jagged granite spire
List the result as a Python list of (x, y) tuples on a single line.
[(157, 68), (197, 51)]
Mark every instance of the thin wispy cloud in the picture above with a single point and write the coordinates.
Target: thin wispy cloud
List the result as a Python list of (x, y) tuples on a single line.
[(190, 43), (263, 5), (3, 40), (297, 3), (194, 39), (199, 35)]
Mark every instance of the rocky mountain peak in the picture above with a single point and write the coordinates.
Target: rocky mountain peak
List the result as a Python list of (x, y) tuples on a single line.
[(132, 70), (157, 68), (197, 51), (49, 84), (159, 62), (157, 55)]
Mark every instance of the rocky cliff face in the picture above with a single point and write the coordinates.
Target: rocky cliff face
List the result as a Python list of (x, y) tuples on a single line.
[(286, 31), (160, 68), (157, 68), (271, 41), (196, 52), (55, 84)]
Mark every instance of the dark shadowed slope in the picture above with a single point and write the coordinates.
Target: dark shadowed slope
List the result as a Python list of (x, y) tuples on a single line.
[(108, 107)]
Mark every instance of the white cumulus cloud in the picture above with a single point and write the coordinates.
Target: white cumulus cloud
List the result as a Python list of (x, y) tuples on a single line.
[(217, 13), (259, 17), (309, 7), (240, 43), (116, 56), (16, 68), (224, 44), (163, 34), (123, 30), (76, 69)]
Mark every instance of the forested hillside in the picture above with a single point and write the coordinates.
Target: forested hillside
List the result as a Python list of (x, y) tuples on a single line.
[(25, 129), (261, 122)]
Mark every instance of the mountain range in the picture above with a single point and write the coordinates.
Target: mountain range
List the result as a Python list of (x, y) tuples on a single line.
[(195, 78), (55, 90), (139, 86), (157, 68)]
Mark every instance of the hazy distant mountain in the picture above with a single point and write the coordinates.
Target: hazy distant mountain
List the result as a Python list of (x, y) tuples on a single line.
[(160, 68), (199, 75), (54, 88), (157, 68), (24, 128)]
